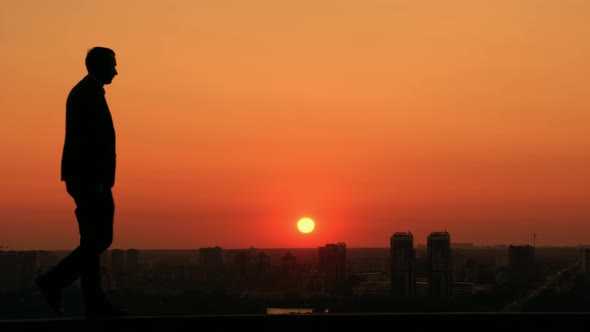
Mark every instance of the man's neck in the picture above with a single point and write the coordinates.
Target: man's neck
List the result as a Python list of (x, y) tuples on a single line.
[(96, 79)]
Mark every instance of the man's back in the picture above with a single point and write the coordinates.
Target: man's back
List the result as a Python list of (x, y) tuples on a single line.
[(89, 154)]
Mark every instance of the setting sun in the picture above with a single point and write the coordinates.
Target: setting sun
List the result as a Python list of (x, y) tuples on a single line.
[(305, 225)]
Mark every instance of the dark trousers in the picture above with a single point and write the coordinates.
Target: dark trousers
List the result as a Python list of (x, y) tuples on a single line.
[(94, 213)]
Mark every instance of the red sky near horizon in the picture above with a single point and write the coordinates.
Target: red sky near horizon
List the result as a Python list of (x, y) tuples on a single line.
[(236, 118)]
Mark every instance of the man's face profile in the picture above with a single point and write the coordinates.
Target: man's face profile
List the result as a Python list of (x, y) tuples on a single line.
[(108, 72)]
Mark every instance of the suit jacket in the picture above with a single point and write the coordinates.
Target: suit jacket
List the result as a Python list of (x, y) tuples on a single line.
[(89, 153)]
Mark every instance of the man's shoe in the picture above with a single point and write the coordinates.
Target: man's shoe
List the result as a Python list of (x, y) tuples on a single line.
[(51, 295), (105, 310)]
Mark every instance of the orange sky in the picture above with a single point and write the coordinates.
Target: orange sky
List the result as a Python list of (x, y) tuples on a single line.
[(235, 118)]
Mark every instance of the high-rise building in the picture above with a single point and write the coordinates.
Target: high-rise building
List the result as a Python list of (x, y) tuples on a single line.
[(459, 267), (262, 263), (241, 264), (585, 260), (211, 259), (332, 264), (521, 261), (439, 265), (105, 261), (289, 263), (288, 268), (29, 268), (403, 264), (132, 260), (117, 262), (10, 271), (370, 263)]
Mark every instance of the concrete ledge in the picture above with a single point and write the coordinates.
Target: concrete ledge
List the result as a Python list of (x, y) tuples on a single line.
[(300, 322)]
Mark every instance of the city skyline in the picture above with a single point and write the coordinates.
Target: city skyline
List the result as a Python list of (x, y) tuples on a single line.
[(416, 242), (236, 119), (329, 279)]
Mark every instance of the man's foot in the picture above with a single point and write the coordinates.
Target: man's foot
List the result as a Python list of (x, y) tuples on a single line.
[(105, 310), (51, 295)]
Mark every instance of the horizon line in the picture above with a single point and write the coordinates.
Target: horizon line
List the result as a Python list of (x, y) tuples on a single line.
[(463, 246)]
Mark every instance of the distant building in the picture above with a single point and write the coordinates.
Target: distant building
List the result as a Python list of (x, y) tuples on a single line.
[(288, 272), (439, 268), (133, 261), (486, 269), (462, 245), (262, 263), (373, 288), (29, 269), (585, 261), (463, 288), (312, 281), (521, 261), (421, 287), (10, 271), (105, 261), (471, 271), (332, 264), (370, 263), (211, 260), (502, 261), (117, 262), (459, 267), (46, 260), (289, 263), (403, 265), (18, 270), (241, 264)]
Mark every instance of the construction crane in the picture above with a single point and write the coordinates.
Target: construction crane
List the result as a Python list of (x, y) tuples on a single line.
[(534, 235)]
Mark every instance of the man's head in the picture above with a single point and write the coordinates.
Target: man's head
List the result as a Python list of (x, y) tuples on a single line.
[(101, 63)]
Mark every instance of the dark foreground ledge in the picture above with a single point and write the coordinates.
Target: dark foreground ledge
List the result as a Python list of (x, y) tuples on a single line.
[(307, 322)]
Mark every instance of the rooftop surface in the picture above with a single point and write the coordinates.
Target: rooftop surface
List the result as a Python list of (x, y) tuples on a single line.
[(305, 322)]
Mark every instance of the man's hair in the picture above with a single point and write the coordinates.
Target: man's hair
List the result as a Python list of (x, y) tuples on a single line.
[(98, 58)]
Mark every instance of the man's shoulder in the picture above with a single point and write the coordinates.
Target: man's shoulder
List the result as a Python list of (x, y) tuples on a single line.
[(86, 82), (85, 87)]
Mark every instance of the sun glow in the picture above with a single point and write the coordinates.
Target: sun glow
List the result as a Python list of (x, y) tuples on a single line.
[(305, 225)]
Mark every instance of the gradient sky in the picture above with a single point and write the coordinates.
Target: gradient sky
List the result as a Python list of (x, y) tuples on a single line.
[(235, 118)]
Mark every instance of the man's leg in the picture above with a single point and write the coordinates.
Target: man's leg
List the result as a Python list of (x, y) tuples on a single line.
[(95, 215), (96, 235), (72, 266)]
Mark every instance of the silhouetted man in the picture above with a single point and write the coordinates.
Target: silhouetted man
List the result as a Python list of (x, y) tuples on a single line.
[(88, 170)]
